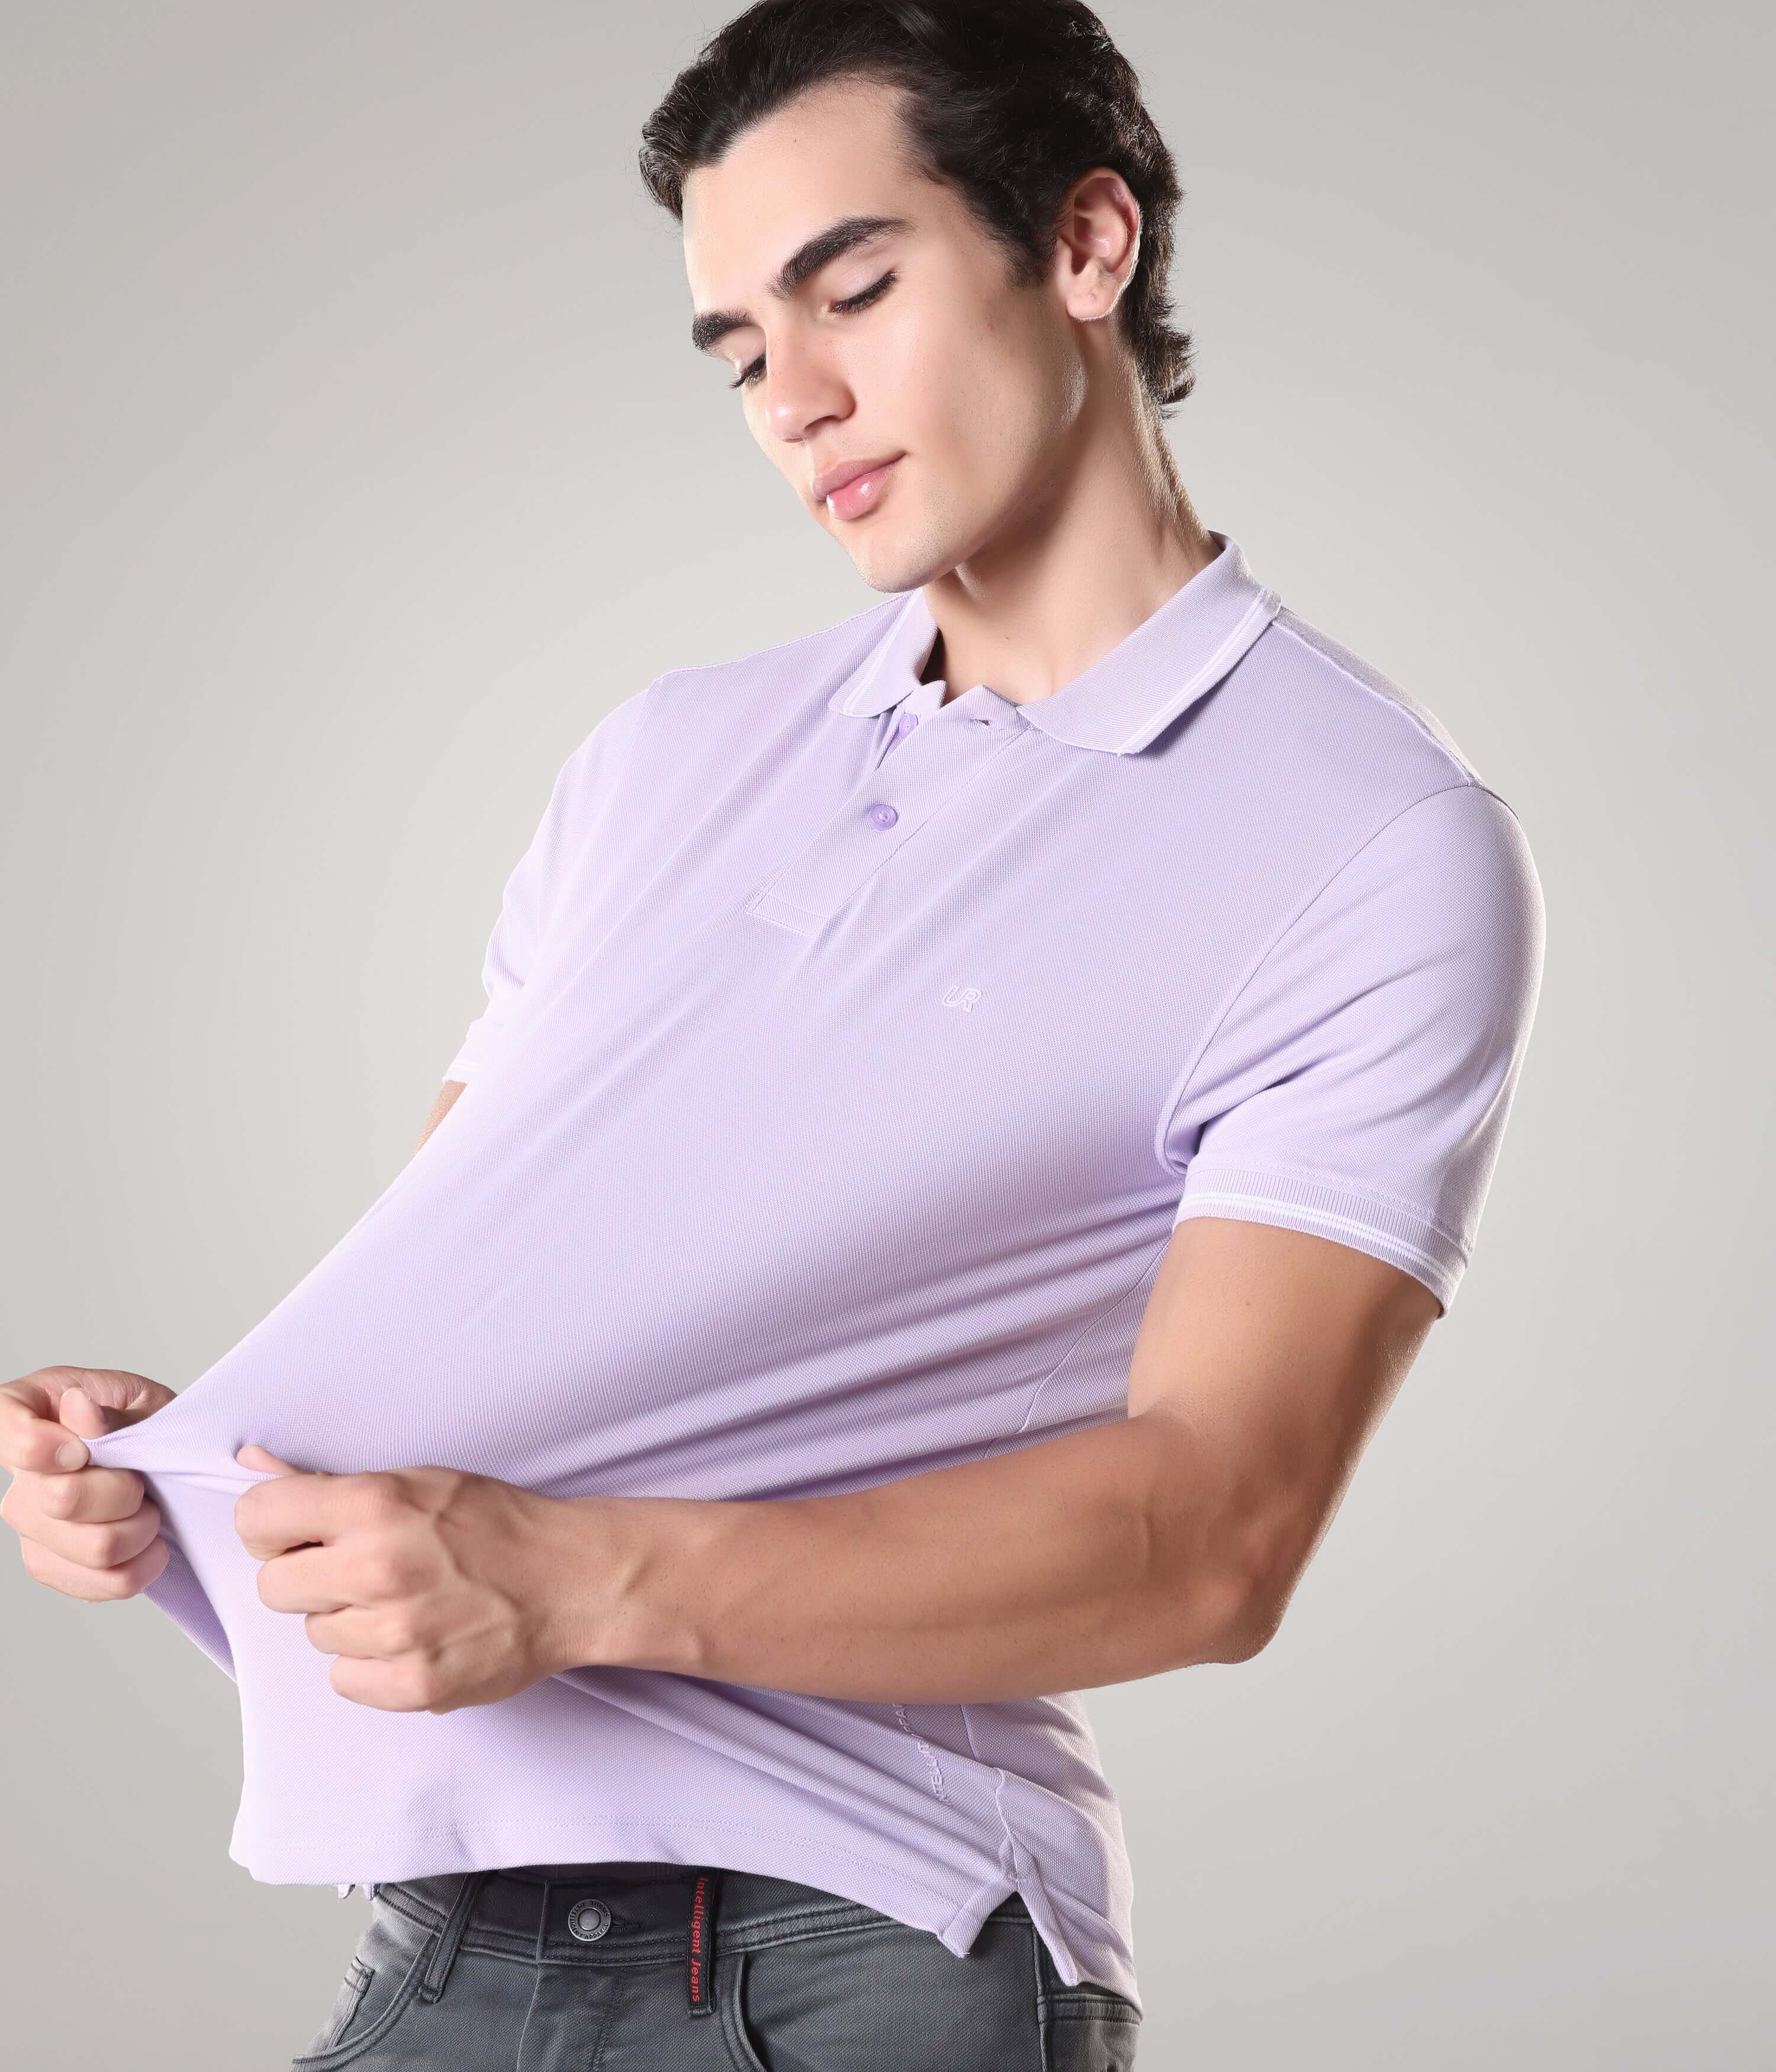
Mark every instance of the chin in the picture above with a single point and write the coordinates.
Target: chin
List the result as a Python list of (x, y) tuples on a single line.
[(889, 564)]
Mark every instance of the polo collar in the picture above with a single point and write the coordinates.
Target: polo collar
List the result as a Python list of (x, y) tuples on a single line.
[(1126, 696)]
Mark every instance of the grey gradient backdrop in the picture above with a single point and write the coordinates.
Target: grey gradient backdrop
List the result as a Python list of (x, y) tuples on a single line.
[(352, 463)]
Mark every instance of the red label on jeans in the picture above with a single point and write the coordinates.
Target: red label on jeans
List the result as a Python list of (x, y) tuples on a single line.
[(700, 1978)]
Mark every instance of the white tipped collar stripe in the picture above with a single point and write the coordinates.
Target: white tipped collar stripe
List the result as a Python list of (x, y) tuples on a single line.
[(1123, 699)]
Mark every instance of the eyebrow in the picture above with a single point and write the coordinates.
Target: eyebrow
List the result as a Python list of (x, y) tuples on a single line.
[(820, 250)]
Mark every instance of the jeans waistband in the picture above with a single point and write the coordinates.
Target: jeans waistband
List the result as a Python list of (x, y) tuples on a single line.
[(622, 1913)]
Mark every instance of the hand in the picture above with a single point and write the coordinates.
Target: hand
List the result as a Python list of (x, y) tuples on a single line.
[(434, 1588), (89, 1532)]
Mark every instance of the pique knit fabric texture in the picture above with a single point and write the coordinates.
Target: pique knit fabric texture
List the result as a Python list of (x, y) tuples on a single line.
[(850, 1058)]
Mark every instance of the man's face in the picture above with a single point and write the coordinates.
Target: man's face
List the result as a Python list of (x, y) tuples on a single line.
[(910, 348)]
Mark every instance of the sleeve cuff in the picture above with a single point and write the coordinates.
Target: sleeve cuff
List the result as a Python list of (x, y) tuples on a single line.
[(1382, 1225)]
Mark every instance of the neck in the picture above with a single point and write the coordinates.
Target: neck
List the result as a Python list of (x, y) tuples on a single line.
[(1103, 536)]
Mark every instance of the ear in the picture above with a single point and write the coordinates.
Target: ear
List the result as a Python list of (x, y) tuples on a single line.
[(1097, 244)]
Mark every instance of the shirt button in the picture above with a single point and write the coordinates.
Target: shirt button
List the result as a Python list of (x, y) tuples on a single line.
[(908, 720), (589, 1919), (883, 814)]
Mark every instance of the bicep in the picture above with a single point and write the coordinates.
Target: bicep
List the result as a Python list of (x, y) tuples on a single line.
[(1336, 1137), (1274, 1353)]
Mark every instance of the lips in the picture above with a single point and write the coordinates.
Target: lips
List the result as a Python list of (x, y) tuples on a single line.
[(852, 487), (847, 471)]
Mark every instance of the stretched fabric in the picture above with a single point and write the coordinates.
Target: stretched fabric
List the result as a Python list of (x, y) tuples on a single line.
[(850, 1056)]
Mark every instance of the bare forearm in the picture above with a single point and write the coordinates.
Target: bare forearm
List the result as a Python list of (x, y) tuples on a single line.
[(1092, 1559)]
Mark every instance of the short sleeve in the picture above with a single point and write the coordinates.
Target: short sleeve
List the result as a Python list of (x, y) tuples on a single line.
[(1357, 1086), (581, 789), (511, 949)]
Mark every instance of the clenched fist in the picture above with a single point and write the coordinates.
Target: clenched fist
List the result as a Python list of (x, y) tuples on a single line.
[(90, 1533)]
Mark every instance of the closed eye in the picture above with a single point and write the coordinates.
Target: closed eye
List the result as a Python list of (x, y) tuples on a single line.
[(860, 301)]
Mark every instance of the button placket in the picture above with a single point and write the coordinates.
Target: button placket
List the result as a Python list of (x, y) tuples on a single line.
[(906, 720), (936, 763)]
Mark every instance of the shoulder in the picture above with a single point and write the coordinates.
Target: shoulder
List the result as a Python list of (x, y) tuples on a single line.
[(814, 663), (1328, 755), (1349, 806), (688, 715), (1321, 666)]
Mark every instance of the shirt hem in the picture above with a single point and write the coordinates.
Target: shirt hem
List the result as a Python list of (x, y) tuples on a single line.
[(395, 1855)]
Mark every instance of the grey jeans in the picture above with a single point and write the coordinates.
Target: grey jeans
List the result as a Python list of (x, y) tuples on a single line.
[(620, 1966)]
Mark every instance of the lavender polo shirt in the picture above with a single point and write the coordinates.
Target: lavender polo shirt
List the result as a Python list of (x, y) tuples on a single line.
[(849, 1058)]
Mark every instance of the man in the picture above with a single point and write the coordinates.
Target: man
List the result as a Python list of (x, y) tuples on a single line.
[(977, 1110)]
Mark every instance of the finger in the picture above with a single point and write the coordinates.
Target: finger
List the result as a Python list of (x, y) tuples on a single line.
[(95, 1586), (307, 1579), (78, 1412), (300, 1509), (36, 1441), (365, 1632), (257, 1458), (95, 1399), (34, 1430), (104, 1545), (31, 1391), (94, 1494), (403, 1686)]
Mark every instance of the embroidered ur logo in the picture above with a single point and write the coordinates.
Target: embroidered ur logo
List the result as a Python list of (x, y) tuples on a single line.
[(962, 996)]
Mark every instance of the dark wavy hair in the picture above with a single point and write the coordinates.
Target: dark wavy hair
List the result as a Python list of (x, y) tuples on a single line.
[(1009, 102)]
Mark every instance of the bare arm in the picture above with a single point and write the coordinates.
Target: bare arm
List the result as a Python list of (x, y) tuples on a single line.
[(441, 1107), (1264, 1361)]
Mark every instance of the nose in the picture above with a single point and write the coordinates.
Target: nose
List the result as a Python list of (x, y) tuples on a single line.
[(803, 389)]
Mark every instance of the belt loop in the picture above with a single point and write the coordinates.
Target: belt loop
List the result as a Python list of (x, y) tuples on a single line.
[(700, 1954), (449, 1941)]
